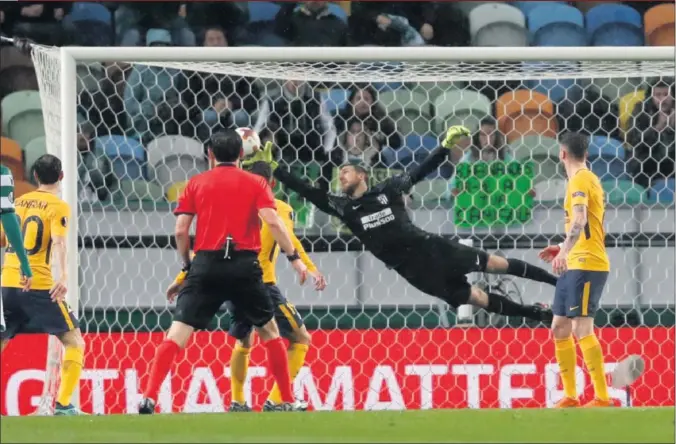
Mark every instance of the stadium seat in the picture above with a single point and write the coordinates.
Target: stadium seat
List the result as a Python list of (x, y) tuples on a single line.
[(611, 89), (662, 191), (524, 112), (543, 151), (496, 24), (126, 154), (175, 190), (614, 24), (624, 191), (91, 12), (33, 150), (585, 5), (334, 99), (338, 11), (12, 157), (410, 110), (262, 11), (527, 7), (179, 168), (89, 75), (627, 104), (556, 25), (431, 191), (138, 191), (606, 157), (556, 89), (22, 118), (461, 107), (10, 56), (467, 7), (22, 187), (415, 148), (550, 191), (168, 146), (659, 25), (434, 89)]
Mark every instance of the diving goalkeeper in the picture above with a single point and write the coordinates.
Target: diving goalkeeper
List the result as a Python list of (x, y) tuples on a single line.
[(433, 264)]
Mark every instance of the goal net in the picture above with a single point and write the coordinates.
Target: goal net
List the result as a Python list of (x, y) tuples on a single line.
[(131, 127)]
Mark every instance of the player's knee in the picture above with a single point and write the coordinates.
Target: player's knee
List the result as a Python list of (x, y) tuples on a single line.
[(583, 327), (496, 264), (562, 327), (478, 297), (302, 336), (73, 339), (246, 342), (179, 333)]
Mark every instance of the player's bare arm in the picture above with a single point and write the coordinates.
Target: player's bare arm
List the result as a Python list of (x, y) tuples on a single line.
[(317, 276), (577, 224), (58, 291), (281, 235), (182, 233)]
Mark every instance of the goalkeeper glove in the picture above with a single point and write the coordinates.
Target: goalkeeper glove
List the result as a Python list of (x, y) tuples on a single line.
[(453, 136), (265, 155)]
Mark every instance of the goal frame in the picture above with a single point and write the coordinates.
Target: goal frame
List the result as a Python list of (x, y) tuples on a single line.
[(70, 56)]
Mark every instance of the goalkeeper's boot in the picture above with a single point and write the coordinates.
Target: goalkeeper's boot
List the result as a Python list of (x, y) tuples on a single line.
[(236, 407), (146, 407), (542, 313), (67, 410)]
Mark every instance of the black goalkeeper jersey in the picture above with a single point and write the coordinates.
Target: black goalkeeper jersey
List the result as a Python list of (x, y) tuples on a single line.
[(378, 218)]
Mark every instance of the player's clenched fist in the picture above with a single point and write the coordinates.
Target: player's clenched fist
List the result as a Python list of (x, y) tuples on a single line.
[(453, 136), (548, 254)]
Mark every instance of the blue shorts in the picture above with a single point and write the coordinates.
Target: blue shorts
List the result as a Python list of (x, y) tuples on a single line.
[(288, 319), (35, 312), (578, 293)]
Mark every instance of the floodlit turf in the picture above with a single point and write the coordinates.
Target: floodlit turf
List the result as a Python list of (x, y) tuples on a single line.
[(514, 426)]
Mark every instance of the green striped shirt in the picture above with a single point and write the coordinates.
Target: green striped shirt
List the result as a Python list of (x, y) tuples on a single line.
[(6, 190)]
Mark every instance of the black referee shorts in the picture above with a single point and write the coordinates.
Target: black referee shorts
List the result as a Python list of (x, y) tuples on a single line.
[(214, 280), (439, 267)]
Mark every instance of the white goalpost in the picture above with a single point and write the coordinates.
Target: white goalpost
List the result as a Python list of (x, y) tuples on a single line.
[(94, 279)]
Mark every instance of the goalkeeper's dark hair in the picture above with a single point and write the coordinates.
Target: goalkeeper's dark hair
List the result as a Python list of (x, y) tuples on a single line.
[(226, 145), (262, 169), (47, 169), (576, 144)]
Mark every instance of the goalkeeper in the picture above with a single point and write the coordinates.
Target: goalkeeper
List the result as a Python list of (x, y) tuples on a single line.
[(432, 263), (289, 321)]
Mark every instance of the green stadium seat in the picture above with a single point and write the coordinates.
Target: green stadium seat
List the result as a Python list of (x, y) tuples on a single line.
[(138, 191), (410, 110), (624, 192), (544, 151), (431, 192), (435, 89), (32, 151), (461, 107), (22, 118)]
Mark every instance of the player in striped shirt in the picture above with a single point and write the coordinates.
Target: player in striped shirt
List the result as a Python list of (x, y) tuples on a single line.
[(10, 225)]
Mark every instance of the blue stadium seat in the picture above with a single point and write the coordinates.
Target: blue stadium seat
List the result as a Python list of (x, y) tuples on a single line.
[(662, 191), (416, 148), (262, 11), (556, 89), (606, 158), (527, 7), (556, 25), (335, 10), (93, 12), (613, 24), (334, 99), (126, 154)]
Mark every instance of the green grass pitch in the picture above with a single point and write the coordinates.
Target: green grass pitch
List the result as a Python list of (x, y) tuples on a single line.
[(653, 425)]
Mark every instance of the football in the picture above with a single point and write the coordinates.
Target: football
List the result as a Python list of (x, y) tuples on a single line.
[(250, 141)]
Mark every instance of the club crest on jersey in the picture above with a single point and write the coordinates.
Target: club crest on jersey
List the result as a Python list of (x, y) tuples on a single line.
[(382, 199)]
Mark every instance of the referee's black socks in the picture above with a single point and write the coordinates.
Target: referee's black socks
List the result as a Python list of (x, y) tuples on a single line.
[(517, 267)]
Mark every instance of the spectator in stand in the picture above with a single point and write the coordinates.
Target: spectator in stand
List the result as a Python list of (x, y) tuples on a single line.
[(41, 22), (133, 18), (310, 24), (152, 97), (407, 24), (217, 102), (488, 144), (358, 144), (96, 178), (232, 17), (651, 135), (363, 105), (302, 128), (104, 107)]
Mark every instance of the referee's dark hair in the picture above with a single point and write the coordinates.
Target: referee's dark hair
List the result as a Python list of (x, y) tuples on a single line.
[(47, 169), (576, 144), (262, 169), (226, 146)]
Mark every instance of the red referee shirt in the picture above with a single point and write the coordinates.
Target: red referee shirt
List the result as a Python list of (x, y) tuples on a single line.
[(226, 201)]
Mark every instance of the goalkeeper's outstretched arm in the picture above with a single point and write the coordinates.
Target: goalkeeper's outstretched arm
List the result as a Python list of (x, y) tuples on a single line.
[(317, 196)]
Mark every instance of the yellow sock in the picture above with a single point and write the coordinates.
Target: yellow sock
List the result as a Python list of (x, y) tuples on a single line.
[(593, 359), (566, 357), (297, 354), (239, 366), (70, 374)]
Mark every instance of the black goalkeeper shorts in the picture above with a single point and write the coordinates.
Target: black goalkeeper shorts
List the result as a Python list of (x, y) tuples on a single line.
[(439, 267), (214, 280)]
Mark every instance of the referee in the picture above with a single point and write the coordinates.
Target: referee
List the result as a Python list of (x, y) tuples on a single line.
[(228, 203)]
